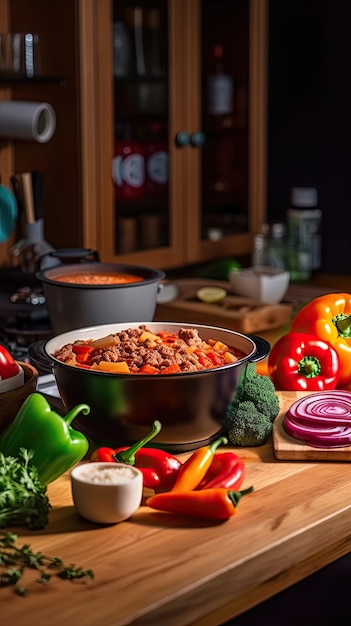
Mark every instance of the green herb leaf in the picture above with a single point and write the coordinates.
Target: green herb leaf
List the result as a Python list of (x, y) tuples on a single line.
[(23, 499), (15, 560)]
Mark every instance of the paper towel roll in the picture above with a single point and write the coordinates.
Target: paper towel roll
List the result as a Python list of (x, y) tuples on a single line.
[(32, 121)]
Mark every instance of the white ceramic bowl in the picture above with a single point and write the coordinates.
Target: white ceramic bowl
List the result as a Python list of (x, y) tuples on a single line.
[(9, 384), (106, 493), (264, 284)]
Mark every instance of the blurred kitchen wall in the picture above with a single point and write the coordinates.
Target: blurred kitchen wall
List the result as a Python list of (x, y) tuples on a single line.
[(309, 127)]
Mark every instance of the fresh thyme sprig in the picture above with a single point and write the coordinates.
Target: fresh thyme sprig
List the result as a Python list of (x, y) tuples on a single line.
[(14, 561)]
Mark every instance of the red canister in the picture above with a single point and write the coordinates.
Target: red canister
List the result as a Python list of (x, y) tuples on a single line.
[(128, 167), (157, 162)]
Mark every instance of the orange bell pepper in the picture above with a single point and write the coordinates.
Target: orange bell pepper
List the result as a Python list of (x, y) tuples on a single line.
[(329, 317)]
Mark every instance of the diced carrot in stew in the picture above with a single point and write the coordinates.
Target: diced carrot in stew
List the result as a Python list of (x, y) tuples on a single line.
[(220, 346), (120, 367), (167, 337), (229, 357), (171, 369), (148, 369)]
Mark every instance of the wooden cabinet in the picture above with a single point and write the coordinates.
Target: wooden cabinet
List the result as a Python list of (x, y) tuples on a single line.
[(199, 217)]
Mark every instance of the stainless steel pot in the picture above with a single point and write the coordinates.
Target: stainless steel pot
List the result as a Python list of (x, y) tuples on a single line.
[(75, 305), (191, 406)]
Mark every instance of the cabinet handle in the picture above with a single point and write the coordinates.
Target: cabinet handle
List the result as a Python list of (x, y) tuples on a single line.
[(197, 139), (182, 139)]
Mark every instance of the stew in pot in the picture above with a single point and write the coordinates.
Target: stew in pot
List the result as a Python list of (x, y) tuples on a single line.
[(141, 351)]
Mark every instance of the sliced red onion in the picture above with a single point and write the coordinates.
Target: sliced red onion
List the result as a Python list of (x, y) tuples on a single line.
[(322, 420)]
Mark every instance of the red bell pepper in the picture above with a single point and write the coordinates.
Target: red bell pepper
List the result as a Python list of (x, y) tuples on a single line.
[(226, 470), (8, 365), (159, 468), (329, 317), (303, 362)]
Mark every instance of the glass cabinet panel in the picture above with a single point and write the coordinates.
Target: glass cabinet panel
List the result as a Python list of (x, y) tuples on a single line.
[(225, 86), (140, 164)]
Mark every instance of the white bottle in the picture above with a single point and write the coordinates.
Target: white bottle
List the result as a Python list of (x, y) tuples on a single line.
[(260, 246), (219, 87), (304, 223)]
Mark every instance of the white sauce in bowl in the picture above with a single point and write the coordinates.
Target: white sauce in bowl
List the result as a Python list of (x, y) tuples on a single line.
[(114, 475)]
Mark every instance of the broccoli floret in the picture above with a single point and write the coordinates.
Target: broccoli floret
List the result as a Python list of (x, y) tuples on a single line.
[(251, 414), (247, 426), (261, 392)]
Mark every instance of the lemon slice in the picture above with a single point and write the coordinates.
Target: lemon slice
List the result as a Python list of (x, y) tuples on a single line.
[(211, 294)]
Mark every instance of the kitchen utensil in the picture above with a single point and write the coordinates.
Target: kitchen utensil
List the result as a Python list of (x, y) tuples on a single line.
[(76, 305), (37, 190), (8, 213), (190, 405), (26, 178)]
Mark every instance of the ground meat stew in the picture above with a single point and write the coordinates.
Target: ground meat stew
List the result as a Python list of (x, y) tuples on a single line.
[(141, 351)]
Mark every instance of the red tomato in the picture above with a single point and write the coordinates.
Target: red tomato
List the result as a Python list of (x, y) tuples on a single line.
[(8, 365)]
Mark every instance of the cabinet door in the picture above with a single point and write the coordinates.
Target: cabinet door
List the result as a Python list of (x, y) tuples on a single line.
[(226, 124), (167, 180), (133, 204)]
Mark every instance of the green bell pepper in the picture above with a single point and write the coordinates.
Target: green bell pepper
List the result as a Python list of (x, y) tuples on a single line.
[(56, 446)]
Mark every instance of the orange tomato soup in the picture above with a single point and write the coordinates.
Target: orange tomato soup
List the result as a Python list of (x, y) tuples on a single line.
[(98, 279)]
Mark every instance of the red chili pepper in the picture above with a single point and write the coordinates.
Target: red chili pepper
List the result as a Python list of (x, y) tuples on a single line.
[(300, 361), (159, 468), (211, 504), (8, 365), (226, 470), (195, 467)]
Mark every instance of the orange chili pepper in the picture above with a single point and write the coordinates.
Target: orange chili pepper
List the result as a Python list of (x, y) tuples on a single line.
[(212, 504), (195, 467)]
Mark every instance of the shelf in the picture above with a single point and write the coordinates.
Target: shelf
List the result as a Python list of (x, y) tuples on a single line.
[(11, 78)]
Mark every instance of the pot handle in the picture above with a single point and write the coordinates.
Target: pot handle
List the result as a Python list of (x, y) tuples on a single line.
[(166, 292), (262, 348), (39, 358)]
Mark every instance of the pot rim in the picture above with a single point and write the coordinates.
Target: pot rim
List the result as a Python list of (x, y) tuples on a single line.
[(149, 274), (259, 346)]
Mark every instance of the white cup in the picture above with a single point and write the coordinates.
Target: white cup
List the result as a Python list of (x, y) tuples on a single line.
[(106, 493)]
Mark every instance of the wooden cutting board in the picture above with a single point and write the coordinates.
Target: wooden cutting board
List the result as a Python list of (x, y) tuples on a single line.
[(289, 449), (241, 314)]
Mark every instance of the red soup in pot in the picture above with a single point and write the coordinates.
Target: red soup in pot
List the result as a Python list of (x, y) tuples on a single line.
[(142, 351), (98, 279)]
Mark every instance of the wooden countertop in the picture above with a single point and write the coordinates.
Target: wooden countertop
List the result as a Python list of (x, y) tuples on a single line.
[(161, 569)]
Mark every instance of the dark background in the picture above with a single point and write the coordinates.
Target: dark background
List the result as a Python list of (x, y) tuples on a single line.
[(309, 126)]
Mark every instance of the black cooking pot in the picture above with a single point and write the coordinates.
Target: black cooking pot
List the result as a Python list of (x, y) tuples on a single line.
[(191, 406), (73, 305)]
